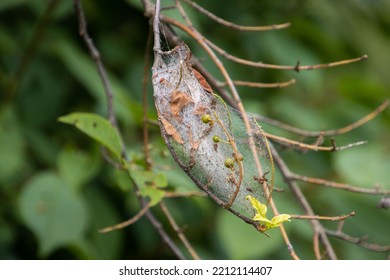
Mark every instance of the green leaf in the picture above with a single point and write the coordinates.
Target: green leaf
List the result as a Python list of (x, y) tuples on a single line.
[(155, 195), (277, 220), (261, 211), (53, 213), (77, 167), (150, 184), (97, 128)]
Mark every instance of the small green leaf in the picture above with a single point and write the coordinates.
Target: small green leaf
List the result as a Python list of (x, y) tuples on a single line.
[(150, 184), (97, 128), (53, 213), (155, 195), (277, 220), (260, 216), (261, 209)]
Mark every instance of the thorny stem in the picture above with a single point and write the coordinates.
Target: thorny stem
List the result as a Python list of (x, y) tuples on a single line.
[(179, 232)]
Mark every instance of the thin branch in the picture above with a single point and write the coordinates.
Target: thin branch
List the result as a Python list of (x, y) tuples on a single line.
[(316, 246), (303, 146), (127, 223), (331, 132), (179, 232), (145, 80), (233, 25), (335, 185), (96, 56), (295, 189), (361, 241), (296, 68), (262, 85), (165, 237), (326, 218), (156, 29)]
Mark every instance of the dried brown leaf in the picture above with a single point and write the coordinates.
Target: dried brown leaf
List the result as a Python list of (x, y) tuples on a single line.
[(171, 130), (178, 101)]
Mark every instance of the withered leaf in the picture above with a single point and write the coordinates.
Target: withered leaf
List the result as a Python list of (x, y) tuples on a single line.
[(171, 130), (205, 85), (177, 102)]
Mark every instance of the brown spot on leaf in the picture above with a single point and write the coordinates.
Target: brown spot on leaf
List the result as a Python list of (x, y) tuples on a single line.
[(200, 110), (178, 101), (205, 85), (171, 130)]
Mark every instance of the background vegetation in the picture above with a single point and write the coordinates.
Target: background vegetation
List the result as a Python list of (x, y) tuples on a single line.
[(46, 72)]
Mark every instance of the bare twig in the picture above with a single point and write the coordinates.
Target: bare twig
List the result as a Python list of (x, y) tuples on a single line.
[(179, 232), (361, 241), (262, 85), (327, 218), (317, 227), (233, 25), (128, 222), (297, 67), (331, 184), (165, 237), (316, 246), (304, 147), (95, 54), (331, 132)]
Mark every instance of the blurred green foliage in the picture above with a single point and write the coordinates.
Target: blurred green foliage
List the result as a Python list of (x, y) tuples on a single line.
[(56, 190)]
